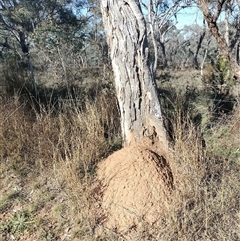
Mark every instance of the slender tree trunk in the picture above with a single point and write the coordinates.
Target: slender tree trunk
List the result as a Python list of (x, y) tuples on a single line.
[(164, 56), (213, 27), (136, 89), (226, 21), (204, 57), (151, 20), (238, 53), (199, 45)]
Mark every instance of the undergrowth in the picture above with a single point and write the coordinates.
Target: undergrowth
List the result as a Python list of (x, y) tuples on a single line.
[(47, 165), (48, 162)]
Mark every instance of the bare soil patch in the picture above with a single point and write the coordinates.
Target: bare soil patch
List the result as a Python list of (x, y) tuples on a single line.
[(136, 184)]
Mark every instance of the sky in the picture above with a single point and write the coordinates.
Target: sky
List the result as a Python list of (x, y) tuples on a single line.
[(189, 16)]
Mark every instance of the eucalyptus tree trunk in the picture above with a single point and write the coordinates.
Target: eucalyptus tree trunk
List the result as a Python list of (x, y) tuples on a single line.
[(211, 19), (126, 35)]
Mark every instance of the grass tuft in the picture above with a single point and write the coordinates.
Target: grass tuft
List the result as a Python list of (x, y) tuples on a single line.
[(48, 160)]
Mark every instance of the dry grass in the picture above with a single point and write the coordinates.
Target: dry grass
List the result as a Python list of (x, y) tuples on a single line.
[(206, 198), (48, 165), (49, 160)]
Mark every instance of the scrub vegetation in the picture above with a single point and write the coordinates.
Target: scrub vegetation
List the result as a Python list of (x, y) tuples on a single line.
[(60, 125)]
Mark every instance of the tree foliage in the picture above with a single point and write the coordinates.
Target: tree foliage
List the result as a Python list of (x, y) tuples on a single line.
[(59, 37)]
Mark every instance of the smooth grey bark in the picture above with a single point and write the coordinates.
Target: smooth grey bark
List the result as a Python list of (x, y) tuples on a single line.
[(235, 40), (155, 47), (226, 20), (139, 105)]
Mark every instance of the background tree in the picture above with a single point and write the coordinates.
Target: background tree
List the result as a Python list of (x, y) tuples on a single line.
[(199, 44), (41, 34), (19, 20), (161, 18), (234, 35), (211, 12)]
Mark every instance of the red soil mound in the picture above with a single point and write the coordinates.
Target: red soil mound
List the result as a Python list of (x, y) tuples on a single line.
[(136, 183)]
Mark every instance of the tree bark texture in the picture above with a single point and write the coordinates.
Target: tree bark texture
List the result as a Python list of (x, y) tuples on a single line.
[(136, 90), (222, 43)]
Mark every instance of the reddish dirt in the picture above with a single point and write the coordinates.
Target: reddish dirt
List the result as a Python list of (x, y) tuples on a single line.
[(136, 184)]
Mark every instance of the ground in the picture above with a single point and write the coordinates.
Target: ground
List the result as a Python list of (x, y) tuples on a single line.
[(64, 176)]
